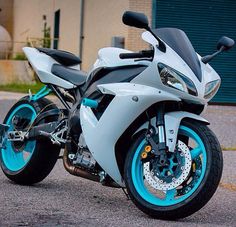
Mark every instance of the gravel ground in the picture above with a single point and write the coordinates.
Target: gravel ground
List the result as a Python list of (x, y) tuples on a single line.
[(223, 122), (65, 200)]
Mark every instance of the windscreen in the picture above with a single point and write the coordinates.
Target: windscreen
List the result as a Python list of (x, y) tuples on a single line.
[(179, 42)]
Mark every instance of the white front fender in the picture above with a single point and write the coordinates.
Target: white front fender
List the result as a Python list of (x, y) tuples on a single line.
[(172, 123)]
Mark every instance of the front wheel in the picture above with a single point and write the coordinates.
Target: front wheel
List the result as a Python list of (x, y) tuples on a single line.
[(188, 180)]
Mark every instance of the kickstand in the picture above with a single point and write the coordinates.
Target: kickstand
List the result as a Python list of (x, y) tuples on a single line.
[(126, 193)]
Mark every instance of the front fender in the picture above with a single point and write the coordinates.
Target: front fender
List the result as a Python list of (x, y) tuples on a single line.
[(172, 123)]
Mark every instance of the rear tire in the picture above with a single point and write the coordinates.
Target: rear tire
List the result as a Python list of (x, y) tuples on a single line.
[(193, 200), (41, 158)]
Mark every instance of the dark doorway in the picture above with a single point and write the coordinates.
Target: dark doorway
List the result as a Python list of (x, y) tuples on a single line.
[(56, 29)]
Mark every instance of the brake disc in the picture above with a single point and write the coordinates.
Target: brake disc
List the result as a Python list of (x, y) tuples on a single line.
[(158, 182)]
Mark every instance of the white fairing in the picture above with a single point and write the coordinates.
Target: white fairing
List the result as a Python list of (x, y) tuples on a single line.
[(130, 99), (109, 57), (101, 136), (172, 123), (172, 59), (42, 65)]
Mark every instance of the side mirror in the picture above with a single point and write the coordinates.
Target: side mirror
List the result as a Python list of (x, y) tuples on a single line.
[(134, 19), (225, 43)]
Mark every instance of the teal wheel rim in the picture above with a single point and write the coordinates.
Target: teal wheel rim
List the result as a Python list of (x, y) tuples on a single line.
[(15, 159), (177, 195)]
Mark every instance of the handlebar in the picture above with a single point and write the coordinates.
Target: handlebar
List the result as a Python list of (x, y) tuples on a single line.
[(141, 54)]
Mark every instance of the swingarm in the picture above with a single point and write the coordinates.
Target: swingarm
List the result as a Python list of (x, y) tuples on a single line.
[(55, 131)]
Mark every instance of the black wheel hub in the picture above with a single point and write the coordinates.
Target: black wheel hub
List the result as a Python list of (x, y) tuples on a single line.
[(172, 168), (20, 124)]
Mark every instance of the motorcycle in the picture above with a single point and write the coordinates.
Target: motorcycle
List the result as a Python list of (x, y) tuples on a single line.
[(133, 122)]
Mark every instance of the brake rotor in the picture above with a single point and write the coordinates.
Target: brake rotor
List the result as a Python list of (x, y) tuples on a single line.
[(163, 182)]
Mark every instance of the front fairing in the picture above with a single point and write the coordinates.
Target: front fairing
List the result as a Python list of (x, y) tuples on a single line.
[(110, 57), (173, 60), (178, 41)]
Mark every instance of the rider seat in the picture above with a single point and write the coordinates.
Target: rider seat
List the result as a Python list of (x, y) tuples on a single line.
[(76, 77)]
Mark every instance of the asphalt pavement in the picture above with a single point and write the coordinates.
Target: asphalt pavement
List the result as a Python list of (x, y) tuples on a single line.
[(65, 200)]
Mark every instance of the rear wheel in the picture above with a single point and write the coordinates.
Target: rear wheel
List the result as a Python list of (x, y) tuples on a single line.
[(185, 184), (30, 161)]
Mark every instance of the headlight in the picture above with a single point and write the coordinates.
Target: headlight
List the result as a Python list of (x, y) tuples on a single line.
[(211, 89), (174, 79)]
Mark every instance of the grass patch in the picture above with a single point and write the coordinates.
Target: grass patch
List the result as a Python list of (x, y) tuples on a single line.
[(20, 57), (22, 88), (228, 148)]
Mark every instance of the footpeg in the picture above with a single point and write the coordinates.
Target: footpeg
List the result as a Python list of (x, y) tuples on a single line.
[(16, 136)]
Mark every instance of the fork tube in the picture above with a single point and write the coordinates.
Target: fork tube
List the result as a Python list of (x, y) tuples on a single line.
[(160, 124)]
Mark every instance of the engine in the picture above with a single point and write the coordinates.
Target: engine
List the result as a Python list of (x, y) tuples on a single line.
[(83, 157)]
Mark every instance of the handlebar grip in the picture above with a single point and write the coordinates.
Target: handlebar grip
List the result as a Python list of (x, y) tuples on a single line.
[(141, 54), (130, 55)]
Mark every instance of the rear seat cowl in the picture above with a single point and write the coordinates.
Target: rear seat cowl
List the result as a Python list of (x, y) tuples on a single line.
[(63, 57)]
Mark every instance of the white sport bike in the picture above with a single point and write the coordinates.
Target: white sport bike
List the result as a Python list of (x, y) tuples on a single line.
[(133, 122)]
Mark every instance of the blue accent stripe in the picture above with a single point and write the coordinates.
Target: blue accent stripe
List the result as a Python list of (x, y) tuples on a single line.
[(90, 103), (44, 91)]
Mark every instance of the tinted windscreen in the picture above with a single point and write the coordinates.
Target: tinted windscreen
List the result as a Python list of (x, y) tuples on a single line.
[(179, 42)]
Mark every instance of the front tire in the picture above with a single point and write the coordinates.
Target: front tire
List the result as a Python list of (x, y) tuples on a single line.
[(198, 186), (28, 162)]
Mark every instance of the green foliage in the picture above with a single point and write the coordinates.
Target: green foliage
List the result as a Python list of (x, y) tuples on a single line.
[(22, 88), (19, 57), (46, 36)]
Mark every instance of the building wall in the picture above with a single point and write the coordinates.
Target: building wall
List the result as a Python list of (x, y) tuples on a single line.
[(69, 24), (28, 21), (12, 71), (134, 40), (102, 21), (6, 15)]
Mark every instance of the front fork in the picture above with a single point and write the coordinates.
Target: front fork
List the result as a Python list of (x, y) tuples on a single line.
[(159, 149)]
